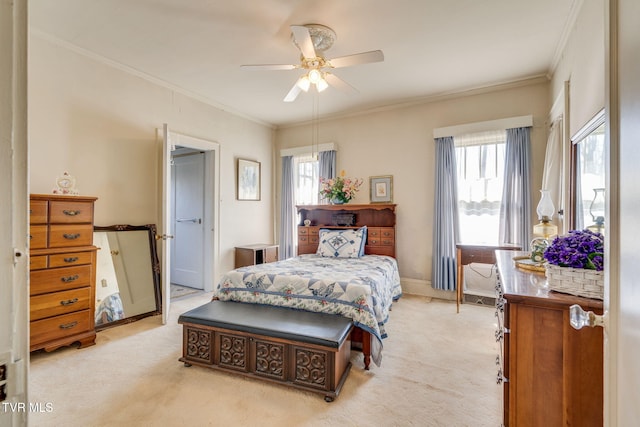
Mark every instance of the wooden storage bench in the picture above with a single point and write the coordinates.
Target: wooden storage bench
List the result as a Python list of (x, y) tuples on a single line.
[(300, 349)]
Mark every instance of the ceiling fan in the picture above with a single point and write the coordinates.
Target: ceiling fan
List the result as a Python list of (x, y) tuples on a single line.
[(313, 40)]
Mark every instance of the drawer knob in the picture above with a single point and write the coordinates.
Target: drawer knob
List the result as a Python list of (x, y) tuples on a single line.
[(69, 301), (69, 212), (578, 318), (68, 325), (71, 236), (70, 278), (71, 259)]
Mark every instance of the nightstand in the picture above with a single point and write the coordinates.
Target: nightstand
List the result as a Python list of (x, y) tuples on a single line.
[(255, 254)]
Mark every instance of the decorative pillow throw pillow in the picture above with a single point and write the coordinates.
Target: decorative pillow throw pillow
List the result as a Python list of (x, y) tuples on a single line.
[(342, 243)]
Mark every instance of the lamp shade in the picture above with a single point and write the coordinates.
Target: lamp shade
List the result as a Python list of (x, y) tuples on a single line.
[(545, 208), (322, 85), (303, 83), (596, 209), (315, 76)]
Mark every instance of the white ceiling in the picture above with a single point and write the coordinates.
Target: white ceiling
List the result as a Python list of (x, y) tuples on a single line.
[(431, 47)]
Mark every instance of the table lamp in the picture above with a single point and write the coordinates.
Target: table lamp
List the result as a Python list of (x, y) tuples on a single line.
[(596, 209), (545, 229)]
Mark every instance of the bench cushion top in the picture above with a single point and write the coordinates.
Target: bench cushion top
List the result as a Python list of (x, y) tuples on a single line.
[(296, 325)]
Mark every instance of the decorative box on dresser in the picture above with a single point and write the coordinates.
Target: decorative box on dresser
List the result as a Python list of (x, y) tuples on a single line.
[(551, 374), (380, 220), (62, 271)]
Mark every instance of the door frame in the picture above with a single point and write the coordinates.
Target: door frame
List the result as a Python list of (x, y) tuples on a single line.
[(14, 184), (211, 218)]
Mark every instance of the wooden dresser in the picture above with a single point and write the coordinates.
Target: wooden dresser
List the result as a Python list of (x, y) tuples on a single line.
[(551, 374), (63, 271), (380, 220)]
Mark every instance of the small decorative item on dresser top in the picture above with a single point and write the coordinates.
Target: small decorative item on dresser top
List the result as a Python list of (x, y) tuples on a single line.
[(575, 263), (66, 184), (307, 222)]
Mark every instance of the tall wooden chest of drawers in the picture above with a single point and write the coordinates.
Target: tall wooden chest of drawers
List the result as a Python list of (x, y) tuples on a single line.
[(551, 374), (62, 271)]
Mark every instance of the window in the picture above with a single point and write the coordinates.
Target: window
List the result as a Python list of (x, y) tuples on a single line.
[(480, 162), (306, 180)]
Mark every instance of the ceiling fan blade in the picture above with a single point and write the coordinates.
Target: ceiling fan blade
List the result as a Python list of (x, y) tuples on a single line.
[(269, 67), (339, 84), (303, 40), (356, 59), (293, 94)]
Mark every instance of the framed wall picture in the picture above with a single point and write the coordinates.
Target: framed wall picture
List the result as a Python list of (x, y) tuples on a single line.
[(248, 180), (381, 188)]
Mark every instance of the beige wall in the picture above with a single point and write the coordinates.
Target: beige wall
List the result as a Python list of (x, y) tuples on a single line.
[(582, 65), (399, 142), (99, 123)]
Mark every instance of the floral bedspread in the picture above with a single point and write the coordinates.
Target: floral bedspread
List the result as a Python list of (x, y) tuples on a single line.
[(362, 289)]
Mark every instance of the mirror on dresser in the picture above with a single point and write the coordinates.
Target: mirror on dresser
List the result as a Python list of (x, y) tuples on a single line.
[(588, 176), (127, 274)]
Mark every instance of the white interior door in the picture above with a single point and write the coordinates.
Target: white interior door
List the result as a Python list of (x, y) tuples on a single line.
[(622, 337), (14, 262), (188, 226)]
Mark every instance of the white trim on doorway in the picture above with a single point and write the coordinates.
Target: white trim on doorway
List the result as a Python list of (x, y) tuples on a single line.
[(211, 203)]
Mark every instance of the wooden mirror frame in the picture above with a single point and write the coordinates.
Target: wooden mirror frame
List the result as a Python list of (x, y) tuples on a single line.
[(154, 266)]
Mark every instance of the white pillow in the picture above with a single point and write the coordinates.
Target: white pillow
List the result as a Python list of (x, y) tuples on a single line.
[(342, 243)]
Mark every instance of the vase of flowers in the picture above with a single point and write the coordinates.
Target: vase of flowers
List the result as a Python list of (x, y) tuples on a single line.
[(339, 190), (575, 264)]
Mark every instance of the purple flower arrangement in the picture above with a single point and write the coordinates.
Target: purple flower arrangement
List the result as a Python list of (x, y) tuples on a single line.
[(578, 249)]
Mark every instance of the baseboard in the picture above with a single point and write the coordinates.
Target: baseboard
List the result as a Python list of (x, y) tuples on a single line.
[(423, 288)]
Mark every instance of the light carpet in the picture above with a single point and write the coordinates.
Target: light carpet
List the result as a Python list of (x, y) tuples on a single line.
[(438, 369), (179, 291)]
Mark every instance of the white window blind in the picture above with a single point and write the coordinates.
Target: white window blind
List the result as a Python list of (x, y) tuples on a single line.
[(480, 162), (306, 180)]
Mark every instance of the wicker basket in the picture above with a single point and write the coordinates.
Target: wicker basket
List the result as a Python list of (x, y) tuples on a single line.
[(575, 281)]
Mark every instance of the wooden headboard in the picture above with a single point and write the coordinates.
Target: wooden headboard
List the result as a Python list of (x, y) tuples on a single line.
[(380, 220)]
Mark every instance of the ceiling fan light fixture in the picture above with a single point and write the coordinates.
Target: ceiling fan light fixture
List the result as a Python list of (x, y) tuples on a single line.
[(322, 85), (315, 76), (312, 40), (304, 83)]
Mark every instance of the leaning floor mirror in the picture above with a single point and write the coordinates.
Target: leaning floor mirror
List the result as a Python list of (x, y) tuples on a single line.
[(127, 274)]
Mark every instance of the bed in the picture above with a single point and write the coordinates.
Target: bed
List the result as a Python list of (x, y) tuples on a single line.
[(360, 288), (359, 280)]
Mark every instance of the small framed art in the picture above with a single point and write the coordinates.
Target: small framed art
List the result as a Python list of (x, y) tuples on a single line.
[(381, 188), (248, 180)]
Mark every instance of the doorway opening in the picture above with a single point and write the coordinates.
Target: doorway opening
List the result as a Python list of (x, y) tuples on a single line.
[(187, 225), (192, 214)]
